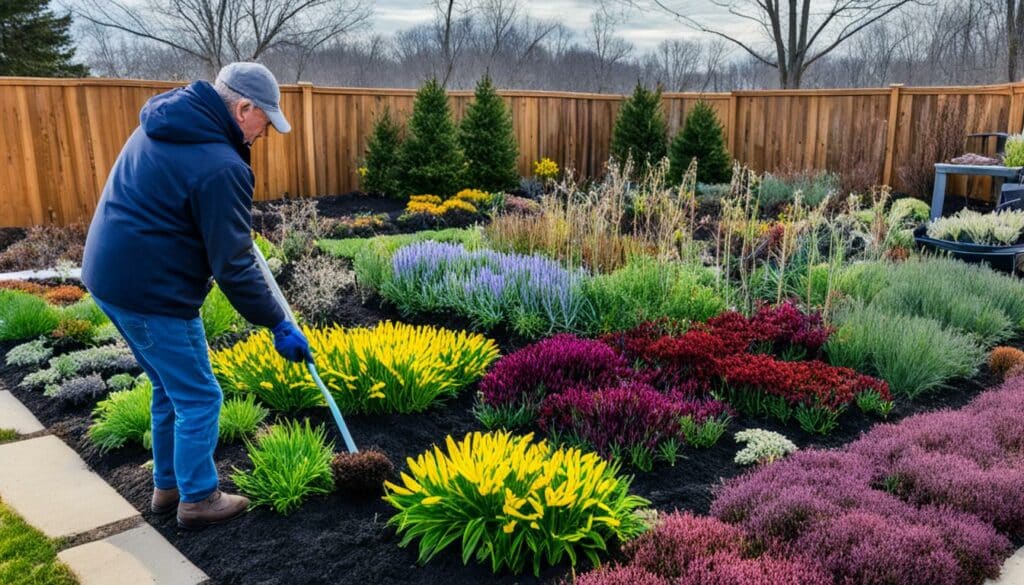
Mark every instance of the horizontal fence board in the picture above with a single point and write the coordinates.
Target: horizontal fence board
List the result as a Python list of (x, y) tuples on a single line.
[(61, 136)]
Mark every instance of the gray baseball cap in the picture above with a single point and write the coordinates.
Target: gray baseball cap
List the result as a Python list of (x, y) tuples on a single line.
[(256, 82)]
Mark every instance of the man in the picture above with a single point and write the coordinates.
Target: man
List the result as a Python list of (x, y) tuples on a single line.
[(176, 211)]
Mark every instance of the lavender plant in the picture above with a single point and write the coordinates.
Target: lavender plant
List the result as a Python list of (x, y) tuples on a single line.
[(532, 294)]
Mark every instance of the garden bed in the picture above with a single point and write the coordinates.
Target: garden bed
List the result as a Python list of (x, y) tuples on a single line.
[(343, 538)]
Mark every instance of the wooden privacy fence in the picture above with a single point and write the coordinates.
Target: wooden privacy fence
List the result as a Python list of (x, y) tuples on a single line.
[(59, 137)]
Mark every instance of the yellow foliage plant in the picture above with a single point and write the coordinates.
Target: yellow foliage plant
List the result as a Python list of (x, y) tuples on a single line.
[(513, 502), (391, 368)]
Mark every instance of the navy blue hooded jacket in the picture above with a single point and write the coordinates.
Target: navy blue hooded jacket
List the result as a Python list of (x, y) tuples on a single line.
[(175, 211)]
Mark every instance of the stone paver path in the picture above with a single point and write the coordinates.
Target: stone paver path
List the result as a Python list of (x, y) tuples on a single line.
[(141, 556), (52, 488), (49, 485), (14, 415), (1013, 571), (41, 274)]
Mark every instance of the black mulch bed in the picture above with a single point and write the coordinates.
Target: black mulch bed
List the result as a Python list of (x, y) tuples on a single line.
[(344, 538)]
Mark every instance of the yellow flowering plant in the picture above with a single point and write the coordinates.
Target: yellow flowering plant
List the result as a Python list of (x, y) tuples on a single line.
[(393, 367), (476, 197), (545, 168), (513, 502)]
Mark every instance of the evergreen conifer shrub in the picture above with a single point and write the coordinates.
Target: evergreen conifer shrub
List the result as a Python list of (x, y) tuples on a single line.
[(640, 130), (488, 142), (431, 160), (382, 157), (702, 138)]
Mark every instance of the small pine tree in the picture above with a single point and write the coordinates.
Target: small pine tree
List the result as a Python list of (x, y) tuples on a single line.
[(431, 160), (488, 142), (34, 42), (640, 129), (382, 152), (701, 138)]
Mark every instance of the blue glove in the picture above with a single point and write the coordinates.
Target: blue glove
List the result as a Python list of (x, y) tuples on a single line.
[(290, 342)]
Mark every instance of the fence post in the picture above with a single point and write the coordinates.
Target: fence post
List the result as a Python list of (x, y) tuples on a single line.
[(309, 145), (890, 132), (1016, 110), (733, 106)]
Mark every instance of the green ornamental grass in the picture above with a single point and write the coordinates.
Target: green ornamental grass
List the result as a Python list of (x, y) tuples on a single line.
[(123, 417), (291, 461), (970, 298), (240, 417), (219, 317), (647, 290), (25, 316), (913, 354)]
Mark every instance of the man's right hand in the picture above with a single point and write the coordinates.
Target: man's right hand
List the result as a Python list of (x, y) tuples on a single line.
[(290, 342)]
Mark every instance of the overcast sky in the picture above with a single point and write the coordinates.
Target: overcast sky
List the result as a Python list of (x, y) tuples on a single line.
[(644, 29)]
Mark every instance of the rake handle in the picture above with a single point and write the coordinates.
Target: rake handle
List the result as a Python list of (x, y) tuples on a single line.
[(275, 290)]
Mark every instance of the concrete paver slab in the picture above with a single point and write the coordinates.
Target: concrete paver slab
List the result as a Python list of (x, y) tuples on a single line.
[(52, 488), (1013, 571), (14, 415), (138, 556)]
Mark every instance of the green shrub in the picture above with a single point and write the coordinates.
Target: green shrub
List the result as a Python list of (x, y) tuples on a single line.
[(119, 382), (8, 435), (25, 316), (703, 138), (1013, 152), (86, 310), (382, 157), (350, 248), (488, 141), (640, 131), (647, 290), (864, 280), (267, 248), (814, 187), (240, 417), (123, 417), (431, 160), (219, 317), (31, 353), (913, 354), (291, 462)]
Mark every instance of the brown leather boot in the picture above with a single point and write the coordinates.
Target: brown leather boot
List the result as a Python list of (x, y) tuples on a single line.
[(219, 507), (164, 501)]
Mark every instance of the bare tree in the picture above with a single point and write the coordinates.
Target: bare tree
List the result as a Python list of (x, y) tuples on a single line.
[(1014, 16), (798, 35), (609, 49), (219, 31)]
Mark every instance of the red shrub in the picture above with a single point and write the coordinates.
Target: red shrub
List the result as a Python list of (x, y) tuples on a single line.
[(627, 575), (810, 383)]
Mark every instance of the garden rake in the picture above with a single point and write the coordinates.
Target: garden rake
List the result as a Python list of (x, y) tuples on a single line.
[(279, 297)]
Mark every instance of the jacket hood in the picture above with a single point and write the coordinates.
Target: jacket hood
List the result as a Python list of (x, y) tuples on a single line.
[(192, 114)]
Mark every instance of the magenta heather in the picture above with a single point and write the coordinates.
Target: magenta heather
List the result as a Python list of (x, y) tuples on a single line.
[(732, 569), (550, 367), (633, 414), (681, 538)]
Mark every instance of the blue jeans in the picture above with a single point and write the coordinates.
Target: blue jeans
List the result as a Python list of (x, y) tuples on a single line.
[(186, 397)]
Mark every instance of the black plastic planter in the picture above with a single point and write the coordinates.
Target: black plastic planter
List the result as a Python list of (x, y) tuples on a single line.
[(1005, 258)]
